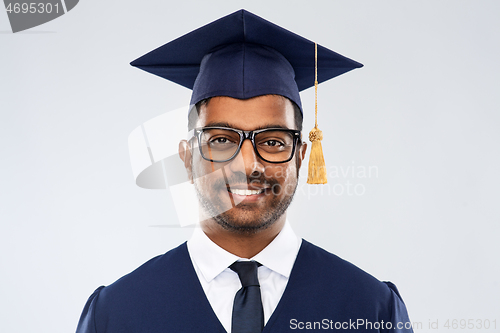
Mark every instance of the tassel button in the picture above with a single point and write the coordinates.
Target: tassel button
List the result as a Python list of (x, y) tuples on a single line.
[(315, 135)]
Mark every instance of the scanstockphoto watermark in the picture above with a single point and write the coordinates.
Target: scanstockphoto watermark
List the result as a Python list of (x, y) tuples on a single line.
[(342, 180), (28, 14), (349, 180), (358, 324)]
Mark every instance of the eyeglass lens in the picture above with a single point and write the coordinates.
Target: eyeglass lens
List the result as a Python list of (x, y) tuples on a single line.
[(222, 144)]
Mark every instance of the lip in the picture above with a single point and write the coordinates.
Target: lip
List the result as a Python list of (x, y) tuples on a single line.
[(237, 198), (246, 187)]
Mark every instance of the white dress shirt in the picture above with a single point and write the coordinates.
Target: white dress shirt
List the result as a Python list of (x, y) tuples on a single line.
[(220, 283)]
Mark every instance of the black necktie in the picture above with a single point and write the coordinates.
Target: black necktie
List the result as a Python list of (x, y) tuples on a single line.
[(248, 315)]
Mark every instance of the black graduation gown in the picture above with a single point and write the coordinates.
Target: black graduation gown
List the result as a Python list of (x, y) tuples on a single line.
[(323, 293)]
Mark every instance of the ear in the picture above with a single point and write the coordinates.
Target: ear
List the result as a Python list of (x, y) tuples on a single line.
[(302, 153), (186, 157)]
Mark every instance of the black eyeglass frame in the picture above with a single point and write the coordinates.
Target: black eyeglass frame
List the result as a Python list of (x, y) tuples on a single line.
[(196, 132)]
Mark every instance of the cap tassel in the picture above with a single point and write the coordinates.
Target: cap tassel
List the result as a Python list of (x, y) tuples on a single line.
[(317, 167)]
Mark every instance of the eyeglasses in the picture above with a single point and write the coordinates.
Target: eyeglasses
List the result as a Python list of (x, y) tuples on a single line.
[(222, 144)]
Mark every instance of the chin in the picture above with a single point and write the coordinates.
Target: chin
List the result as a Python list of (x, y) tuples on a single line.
[(246, 223), (242, 228)]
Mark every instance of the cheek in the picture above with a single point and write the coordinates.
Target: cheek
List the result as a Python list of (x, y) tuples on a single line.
[(286, 180), (201, 173), (282, 173), (207, 175), (202, 168)]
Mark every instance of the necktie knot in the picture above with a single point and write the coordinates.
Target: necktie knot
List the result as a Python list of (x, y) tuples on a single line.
[(247, 272)]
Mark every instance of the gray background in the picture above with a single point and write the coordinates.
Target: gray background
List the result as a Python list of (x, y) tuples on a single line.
[(423, 110)]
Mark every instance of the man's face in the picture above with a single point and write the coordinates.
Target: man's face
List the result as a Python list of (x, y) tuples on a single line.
[(246, 194)]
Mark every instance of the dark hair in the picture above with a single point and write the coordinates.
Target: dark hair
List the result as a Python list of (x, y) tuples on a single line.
[(195, 112)]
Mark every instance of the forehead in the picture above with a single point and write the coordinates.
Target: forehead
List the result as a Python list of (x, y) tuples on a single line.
[(249, 114)]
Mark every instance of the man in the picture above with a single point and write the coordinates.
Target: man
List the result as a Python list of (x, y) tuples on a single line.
[(244, 270)]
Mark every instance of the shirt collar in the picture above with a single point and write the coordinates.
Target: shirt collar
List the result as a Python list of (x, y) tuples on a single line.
[(280, 254), (212, 260)]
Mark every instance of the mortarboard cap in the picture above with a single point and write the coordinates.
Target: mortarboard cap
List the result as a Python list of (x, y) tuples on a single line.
[(242, 55)]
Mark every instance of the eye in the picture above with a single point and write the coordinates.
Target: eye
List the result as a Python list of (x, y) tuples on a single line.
[(273, 143), (219, 140)]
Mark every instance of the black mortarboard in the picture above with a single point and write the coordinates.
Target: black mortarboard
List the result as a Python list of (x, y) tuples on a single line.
[(242, 55)]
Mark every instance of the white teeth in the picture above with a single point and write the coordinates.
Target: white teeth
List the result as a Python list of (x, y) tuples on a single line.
[(245, 192)]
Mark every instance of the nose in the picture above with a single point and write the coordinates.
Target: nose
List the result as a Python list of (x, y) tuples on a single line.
[(247, 161)]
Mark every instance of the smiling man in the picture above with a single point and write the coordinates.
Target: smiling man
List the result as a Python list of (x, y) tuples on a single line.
[(244, 270), (244, 205)]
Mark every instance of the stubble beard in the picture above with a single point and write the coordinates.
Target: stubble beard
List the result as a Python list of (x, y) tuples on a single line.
[(237, 221)]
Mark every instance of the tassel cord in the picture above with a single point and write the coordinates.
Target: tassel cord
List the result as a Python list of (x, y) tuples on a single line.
[(315, 85), (317, 168)]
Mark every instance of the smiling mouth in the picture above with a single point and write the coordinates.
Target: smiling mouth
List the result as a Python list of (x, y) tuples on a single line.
[(245, 192)]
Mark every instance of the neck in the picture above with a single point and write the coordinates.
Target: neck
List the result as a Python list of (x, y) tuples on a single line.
[(242, 245)]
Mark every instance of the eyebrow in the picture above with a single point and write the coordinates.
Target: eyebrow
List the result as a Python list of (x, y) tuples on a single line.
[(223, 124)]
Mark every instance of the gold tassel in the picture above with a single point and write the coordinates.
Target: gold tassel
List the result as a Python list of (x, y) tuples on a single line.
[(317, 167)]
